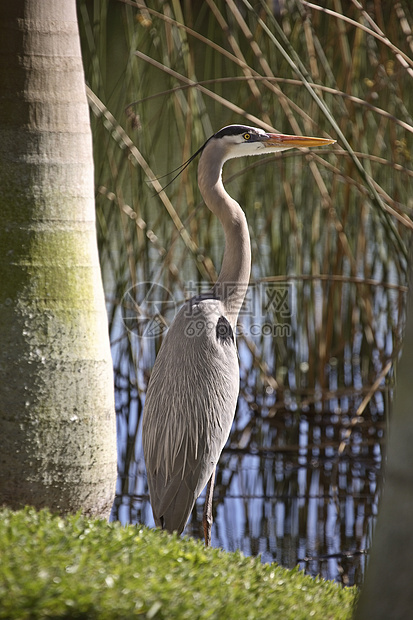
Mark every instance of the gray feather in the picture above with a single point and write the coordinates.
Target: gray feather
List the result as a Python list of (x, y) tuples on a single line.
[(189, 409)]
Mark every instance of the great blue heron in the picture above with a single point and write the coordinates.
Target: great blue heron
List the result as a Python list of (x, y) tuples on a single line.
[(193, 390)]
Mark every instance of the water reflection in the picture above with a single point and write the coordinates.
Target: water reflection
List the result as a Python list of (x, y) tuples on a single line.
[(299, 480), (295, 501)]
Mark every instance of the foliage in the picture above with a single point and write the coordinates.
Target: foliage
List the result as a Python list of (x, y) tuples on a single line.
[(333, 225), (170, 78), (82, 568)]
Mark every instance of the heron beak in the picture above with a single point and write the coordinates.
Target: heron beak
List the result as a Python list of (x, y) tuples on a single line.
[(288, 142)]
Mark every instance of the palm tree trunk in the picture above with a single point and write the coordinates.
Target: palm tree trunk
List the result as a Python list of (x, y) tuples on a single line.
[(57, 420)]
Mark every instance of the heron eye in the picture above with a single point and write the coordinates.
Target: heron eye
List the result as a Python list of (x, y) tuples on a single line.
[(247, 136)]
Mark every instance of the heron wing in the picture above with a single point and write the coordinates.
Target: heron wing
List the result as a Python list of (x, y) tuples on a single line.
[(189, 409)]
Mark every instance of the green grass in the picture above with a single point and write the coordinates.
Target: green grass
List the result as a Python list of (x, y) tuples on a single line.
[(81, 568)]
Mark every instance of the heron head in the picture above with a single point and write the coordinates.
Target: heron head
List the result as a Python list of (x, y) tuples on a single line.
[(240, 140)]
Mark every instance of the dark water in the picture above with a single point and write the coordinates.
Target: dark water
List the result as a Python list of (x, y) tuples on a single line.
[(300, 478)]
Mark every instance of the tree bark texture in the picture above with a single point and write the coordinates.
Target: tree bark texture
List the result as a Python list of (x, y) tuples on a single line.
[(57, 419)]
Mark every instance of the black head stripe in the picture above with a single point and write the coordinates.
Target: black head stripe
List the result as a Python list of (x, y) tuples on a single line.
[(224, 330), (234, 130)]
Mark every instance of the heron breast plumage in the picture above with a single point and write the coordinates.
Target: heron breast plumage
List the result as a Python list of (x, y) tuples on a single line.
[(188, 420)]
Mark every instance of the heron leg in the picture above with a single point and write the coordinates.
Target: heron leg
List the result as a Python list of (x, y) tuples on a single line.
[(207, 518)]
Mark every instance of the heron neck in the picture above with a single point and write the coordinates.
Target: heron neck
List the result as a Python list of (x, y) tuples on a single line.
[(232, 283)]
